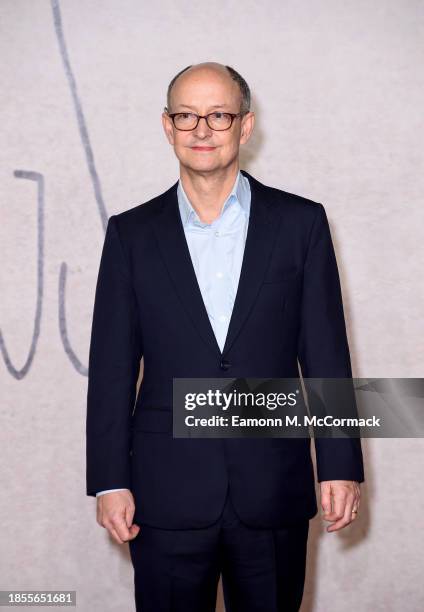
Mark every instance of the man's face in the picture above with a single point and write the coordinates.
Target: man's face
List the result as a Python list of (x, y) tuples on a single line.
[(204, 91)]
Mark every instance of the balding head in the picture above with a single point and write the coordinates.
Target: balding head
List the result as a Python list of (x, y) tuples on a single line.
[(210, 74)]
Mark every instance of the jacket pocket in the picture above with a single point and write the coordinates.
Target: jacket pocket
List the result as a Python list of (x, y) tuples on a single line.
[(276, 276)]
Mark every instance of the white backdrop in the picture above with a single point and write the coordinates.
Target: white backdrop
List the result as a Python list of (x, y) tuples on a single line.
[(338, 95)]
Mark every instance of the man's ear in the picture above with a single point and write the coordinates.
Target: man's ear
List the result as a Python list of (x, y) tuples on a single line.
[(247, 124), (167, 128)]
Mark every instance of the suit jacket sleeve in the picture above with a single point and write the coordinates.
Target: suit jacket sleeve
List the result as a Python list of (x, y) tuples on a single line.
[(114, 362), (323, 349)]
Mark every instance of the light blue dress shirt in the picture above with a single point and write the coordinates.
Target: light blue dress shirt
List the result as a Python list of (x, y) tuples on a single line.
[(216, 251)]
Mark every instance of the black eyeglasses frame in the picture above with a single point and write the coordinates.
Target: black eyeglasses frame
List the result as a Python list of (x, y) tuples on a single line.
[(205, 117)]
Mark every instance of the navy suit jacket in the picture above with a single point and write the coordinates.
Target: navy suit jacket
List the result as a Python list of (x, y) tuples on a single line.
[(148, 303)]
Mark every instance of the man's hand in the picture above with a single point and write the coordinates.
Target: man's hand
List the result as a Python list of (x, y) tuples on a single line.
[(115, 512), (345, 495)]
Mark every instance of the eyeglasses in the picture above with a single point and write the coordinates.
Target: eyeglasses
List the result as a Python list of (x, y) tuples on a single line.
[(217, 121)]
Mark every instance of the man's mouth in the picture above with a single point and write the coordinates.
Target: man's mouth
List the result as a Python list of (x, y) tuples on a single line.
[(203, 148)]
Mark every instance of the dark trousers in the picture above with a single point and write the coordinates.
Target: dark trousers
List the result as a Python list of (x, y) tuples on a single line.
[(263, 570)]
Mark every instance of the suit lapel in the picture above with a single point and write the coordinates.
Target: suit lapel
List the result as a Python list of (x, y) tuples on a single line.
[(176, 255), (261, 233)]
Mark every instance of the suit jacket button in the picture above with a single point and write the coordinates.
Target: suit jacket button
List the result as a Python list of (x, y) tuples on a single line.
[(224, 365)]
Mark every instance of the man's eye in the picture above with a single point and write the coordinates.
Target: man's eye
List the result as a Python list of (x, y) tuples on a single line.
[(218, 115)]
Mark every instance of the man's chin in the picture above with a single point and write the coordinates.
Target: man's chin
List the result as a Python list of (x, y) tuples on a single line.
[(201, 165)]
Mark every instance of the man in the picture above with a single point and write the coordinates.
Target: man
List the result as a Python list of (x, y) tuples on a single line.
[(219, 276)]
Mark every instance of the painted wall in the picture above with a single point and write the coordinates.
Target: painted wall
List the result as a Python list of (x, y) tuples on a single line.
[(338, 95)]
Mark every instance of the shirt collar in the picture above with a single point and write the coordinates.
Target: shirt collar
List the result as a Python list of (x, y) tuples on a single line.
[(239, 193)]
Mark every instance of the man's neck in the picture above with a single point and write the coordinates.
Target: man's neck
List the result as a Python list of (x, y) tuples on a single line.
[(207, 192)]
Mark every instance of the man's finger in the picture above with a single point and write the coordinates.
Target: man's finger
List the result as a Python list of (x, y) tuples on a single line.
[(340, 500), (346, 519), (326, 498), (357, 497), (339, 504), (129, 515), (121, 529), (134, 529), (115, 535), (332, 513)]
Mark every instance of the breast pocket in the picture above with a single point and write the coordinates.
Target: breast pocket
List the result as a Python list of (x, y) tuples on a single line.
[(281, 276), (279, 287)]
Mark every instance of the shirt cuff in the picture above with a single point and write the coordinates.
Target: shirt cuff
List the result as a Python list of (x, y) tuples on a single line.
[(109, 491)]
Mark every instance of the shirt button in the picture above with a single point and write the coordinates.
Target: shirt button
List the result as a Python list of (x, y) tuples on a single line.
[(216, 233), (219, 274), (222, 318)]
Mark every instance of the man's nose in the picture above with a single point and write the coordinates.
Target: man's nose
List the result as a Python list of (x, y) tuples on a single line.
[(202, 127)]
